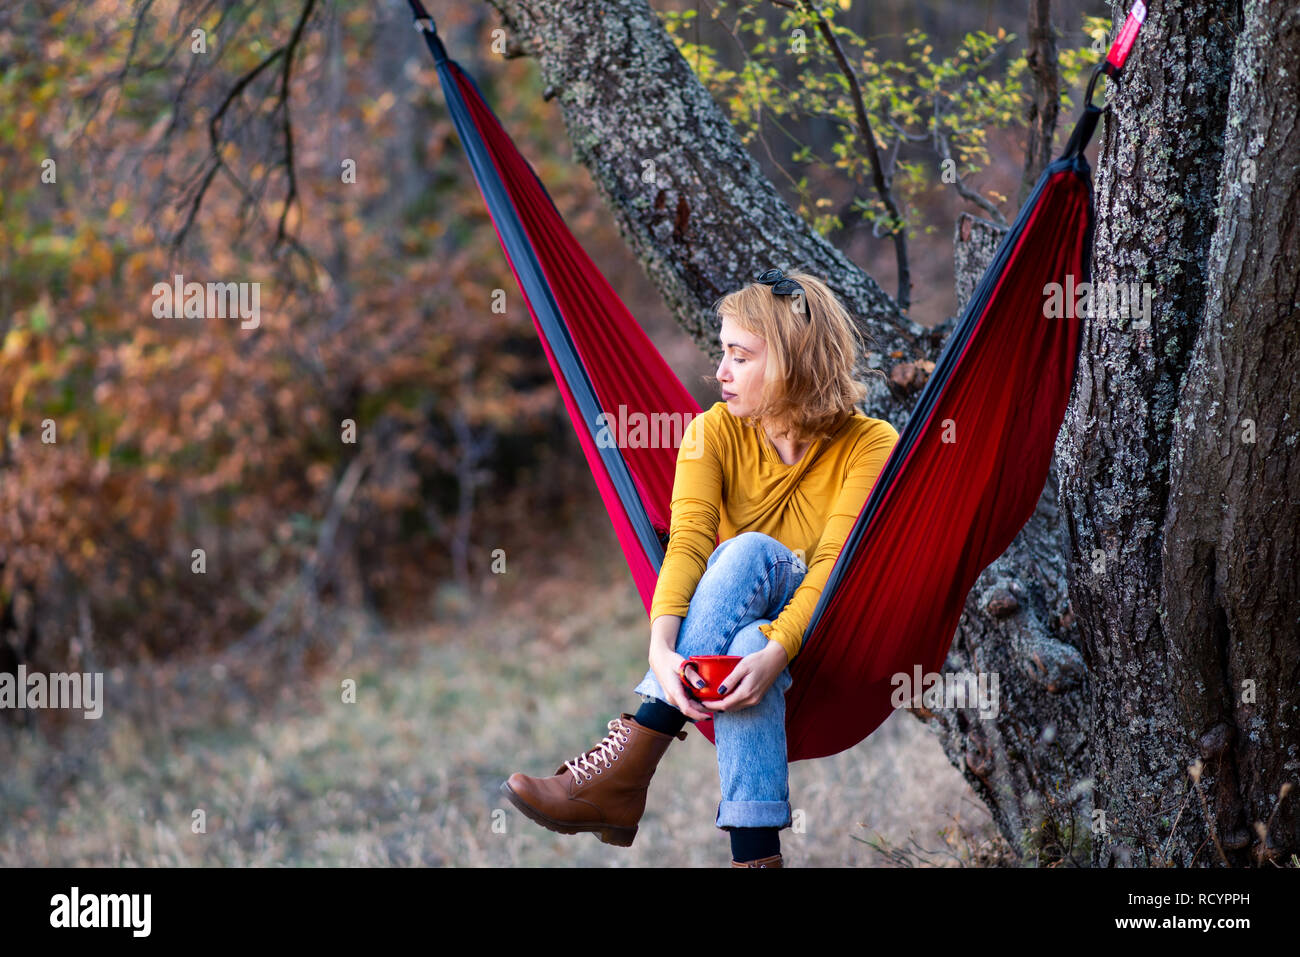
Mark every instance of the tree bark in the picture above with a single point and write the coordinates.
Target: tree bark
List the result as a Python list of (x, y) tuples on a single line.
[(1231, 586), (685, 192), (1167, 573), (974, 244), (1046, 99)]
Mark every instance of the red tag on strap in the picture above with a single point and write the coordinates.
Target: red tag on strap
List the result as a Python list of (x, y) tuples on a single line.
[(1119, 50)]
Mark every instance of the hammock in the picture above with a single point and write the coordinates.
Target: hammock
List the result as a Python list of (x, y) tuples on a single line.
[(941, 510)]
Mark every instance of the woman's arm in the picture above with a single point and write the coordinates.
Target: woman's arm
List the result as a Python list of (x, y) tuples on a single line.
[(664, 662), (693, 533), (869, 460), (693, 530), (663, 632)]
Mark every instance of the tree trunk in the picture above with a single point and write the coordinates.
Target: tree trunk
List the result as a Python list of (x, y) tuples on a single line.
[(683, 189), (974, 244), (705, 223), (1181, 598), (1231, 586), (1045, 98)]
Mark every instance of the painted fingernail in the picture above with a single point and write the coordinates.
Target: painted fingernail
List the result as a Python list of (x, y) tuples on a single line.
[(722, 689), (699, 684)]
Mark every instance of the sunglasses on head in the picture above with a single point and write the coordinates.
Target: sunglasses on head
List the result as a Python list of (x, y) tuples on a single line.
[(781, 285)]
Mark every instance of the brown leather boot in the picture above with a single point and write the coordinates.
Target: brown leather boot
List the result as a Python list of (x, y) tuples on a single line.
[(580, 796), (773, 861)]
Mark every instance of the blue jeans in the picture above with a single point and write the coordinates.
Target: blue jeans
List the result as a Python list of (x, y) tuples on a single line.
[(747, 581)]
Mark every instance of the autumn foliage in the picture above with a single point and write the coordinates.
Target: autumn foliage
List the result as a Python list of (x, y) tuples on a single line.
[(131, 442)]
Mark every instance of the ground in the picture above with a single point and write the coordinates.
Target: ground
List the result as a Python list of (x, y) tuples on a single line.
[(408, 774)]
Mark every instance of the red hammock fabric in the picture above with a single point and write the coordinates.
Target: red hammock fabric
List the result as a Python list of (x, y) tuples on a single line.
[(941, 510), (954, 506), (621, 363)]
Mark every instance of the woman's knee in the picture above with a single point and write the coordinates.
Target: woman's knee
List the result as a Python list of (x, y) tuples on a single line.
[(758, 540), (749, 548)]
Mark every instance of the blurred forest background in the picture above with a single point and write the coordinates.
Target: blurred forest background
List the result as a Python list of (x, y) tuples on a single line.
[(325, 559)]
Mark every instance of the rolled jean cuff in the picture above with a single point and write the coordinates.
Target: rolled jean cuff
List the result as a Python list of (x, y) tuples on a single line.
[(753, 814), (650, 688)]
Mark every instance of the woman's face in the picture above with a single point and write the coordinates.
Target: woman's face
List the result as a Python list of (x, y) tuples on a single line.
[(740, 374)]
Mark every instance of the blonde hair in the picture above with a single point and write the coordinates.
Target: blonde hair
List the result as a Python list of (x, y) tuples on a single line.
[(813, 347)]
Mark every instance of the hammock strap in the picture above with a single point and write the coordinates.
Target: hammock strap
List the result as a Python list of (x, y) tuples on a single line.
[(1128, 34)]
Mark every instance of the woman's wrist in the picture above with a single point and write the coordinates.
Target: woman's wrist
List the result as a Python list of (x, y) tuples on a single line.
[(658, 649), (663, 635), (773, 647)]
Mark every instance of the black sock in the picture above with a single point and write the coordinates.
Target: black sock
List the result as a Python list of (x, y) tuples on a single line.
[(658, 716), (754, 843)]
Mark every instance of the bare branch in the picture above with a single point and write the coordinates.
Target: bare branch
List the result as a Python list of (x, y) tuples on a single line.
[(880, 177), (292, 196), (214, 140), (945, 154), (283, 54)]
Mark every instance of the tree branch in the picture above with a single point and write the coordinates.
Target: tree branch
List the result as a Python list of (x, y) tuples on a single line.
[(284, 54), (945, 154), (286, 126), (880, 177)]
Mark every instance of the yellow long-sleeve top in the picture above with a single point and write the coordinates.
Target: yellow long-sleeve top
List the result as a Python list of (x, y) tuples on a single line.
[(730, 479)]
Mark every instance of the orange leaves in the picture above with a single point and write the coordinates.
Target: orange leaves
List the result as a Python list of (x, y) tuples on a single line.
[(183, 433)]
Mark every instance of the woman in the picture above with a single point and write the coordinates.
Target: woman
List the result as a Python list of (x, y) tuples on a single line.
[(778, 470)]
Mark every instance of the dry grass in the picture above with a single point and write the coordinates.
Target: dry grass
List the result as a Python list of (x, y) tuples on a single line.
[(409, 773)]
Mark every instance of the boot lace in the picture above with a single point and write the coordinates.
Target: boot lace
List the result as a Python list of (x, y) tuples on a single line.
[(604, 753)]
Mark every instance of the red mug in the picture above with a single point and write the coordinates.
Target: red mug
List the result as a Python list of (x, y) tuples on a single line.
[(712, 669)]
